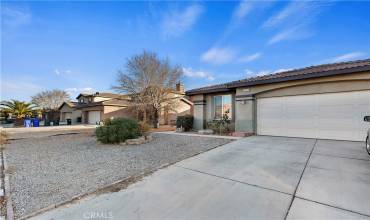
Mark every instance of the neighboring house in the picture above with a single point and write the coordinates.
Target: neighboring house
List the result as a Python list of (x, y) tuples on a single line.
[(94, 108), (68, 110), (325, 101)]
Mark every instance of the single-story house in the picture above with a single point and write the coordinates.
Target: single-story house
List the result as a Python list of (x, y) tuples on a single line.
[(326, 101), (94, 108)]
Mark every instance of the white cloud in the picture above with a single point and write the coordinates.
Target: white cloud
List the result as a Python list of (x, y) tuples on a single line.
[(294, 21), (62, 72), (18, 89), (218, 55), (249, 58), (345, 57), (57, 72), (177, 22), (248, 72), (13, 17), (189, 72), (263, 73), (294, 10), (80, 90), (74, 92), (243, 9), (295, 33), (251, 73)]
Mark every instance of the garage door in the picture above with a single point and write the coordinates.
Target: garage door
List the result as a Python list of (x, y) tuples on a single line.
[(94, 117), (327, 116)]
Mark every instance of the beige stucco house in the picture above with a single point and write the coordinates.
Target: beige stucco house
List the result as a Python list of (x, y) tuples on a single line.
[(325, 101), (95, 108), (68, 110)]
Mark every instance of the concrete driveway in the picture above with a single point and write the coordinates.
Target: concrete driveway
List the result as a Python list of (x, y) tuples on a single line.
[(257, 177)]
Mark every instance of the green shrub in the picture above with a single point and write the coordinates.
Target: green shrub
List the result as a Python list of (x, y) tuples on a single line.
[(185, 122), (117, 130), (220, 126)]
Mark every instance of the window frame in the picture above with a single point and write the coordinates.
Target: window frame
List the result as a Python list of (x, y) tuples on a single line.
[(222, 109)]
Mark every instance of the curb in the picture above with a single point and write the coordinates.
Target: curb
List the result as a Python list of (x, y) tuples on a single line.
[(8, 199)]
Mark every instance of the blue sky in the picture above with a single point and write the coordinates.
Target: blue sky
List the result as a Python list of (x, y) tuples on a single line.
[(79, 46)]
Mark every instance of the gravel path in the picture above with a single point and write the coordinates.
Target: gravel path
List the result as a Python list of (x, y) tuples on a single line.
[(50, 170)]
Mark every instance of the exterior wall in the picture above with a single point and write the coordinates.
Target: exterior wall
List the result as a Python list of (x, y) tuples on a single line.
[(100, 99), (116, 112), (73, 113), (76, 114), (245, 111), (199, 110), (170, 118), (325, 87)]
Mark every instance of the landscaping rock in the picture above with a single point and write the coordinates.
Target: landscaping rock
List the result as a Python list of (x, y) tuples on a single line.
[(206, 131), (148, 138), (140, 140), (53, 169)]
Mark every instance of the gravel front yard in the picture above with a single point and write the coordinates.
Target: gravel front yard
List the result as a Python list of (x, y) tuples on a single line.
[(50, 170)]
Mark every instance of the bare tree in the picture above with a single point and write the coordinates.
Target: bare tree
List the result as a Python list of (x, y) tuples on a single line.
[(150, 81), (51, 99)]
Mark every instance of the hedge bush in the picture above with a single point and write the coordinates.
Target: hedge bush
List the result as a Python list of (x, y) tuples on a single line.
[(185, 121), (117, 130)]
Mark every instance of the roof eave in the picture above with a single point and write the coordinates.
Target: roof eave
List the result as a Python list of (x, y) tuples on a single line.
[(305, 76), (213, 90), (231, 86)]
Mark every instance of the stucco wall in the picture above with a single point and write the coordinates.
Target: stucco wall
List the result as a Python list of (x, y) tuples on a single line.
[(181, 109), (317, 88), (117, 112), (75, 113), (99, 99), (199, 111), (245, 113)]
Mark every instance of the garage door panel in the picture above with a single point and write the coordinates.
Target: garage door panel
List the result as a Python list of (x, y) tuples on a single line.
[(94, 117), (328, 116)]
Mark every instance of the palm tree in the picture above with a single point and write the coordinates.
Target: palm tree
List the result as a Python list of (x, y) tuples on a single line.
[(17, 108)]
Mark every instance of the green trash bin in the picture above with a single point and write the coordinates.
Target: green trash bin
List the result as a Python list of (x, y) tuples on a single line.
[(69, 121)]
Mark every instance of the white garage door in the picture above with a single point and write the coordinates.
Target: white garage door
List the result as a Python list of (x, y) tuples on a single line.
[(94, 117), (327, 116)]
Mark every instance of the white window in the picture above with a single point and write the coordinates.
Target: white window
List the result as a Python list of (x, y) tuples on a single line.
[(221, 106)]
